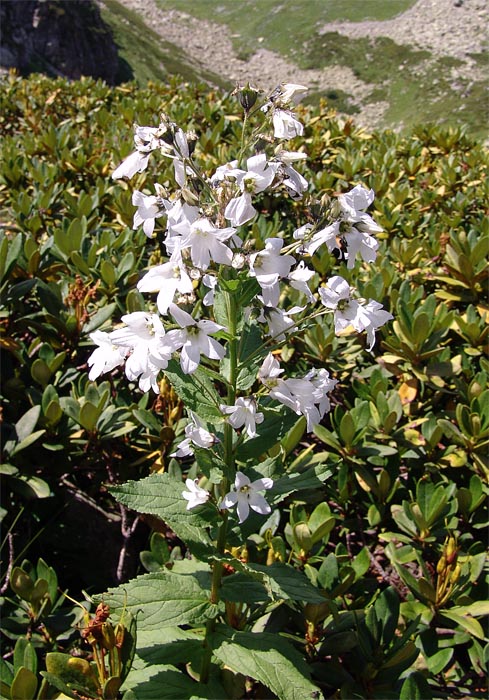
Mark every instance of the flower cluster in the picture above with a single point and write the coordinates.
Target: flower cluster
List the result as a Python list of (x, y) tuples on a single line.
[(209, 243)]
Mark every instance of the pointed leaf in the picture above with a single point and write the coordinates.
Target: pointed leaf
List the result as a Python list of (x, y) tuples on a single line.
[(161, 495), (164, 599), (269, 659)]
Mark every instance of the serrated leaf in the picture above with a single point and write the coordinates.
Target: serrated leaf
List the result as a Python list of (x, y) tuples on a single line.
[(166, 682), (281, 581), (312, 478), (269, 659), (161, 495), (165, 599), (196, 391)]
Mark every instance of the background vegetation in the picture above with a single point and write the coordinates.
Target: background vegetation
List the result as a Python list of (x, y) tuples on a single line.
[(396, 533), (418, 85)]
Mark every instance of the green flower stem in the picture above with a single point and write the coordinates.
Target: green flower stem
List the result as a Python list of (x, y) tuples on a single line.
[(224, 486)]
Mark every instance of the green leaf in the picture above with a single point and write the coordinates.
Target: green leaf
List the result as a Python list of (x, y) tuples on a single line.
[(281, 581), (161, 495), (415, 687), (21, 583), (24, 685), (9, 254), (312, 478), (65, 669), (467, 622), (196, 391), (25, 426), (268, 658), (6, 672), (166, 682), (387, 609), (327, 437), (165, 599), (438, 661), (25, 655), (99, 318), (347, 429), (239, 588), (128, 648)]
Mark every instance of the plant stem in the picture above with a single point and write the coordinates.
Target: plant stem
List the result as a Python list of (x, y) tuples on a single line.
[(224, 486)]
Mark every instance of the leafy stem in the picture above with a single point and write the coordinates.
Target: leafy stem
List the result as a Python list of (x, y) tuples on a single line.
[(229, 458)]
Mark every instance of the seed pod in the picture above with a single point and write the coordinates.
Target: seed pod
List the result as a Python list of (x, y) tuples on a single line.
[(120, 632), (107, 638)]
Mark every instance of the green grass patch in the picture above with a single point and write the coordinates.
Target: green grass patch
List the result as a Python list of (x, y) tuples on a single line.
[(284, 26)]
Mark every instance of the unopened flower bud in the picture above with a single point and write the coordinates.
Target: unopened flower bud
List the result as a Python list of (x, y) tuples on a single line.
[(442, 562), (247, 96), (451, 551), (238, 261), (455, 575)]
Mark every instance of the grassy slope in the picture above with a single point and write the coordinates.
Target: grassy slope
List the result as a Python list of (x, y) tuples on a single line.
[(416, 86), (144, 55)]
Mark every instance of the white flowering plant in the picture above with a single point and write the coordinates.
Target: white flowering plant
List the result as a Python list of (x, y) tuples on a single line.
[(223, 304)]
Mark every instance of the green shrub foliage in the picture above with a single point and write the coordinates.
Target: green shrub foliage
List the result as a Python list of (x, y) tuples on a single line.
[(373, 586)]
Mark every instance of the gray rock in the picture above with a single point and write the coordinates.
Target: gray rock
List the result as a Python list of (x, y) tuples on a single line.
[(59, 37)]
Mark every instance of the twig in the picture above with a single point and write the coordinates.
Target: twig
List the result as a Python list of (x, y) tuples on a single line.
[(5, 585)]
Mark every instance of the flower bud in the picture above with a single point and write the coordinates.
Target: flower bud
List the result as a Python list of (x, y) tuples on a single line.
[(247, 96), (442, 562), (455, 575), (451, 551)]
